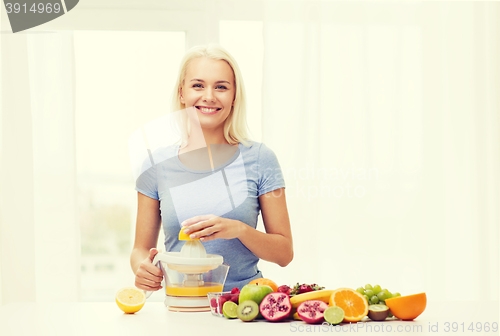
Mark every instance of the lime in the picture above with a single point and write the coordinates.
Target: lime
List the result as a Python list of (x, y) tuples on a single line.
[(229, 309), (333, 315)]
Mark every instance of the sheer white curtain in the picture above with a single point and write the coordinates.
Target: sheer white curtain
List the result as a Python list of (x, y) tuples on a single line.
[(384, 116), (385, 119), (38, 229)]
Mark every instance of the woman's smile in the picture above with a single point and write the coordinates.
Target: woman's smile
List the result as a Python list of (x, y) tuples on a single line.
[(208, 110)]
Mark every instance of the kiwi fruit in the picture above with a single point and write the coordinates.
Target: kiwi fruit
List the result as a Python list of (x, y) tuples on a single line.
[(247, 310), (378, 312)]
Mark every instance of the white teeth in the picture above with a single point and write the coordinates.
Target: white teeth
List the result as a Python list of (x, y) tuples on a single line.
[(207, 110)]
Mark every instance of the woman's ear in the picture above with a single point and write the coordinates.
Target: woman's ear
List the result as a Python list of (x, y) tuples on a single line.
[(180, 96)]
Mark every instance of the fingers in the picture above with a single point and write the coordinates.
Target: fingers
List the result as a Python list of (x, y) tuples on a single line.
[(141, 284), (197, 227), (147, 281), (196, 219), (210, 237), (147, 284), (149, 268), (201, 225), (220, 229), (148, 276), (205, 232), (208, 225), (152, 253)]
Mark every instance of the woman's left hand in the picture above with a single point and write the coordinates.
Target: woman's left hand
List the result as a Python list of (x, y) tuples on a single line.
[(210, 227)]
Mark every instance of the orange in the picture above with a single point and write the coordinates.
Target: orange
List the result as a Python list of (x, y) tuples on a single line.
[(264, 281), (353, 303), (407, 307), (130, 299)]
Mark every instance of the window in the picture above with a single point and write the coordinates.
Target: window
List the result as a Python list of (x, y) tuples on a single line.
[(123, 80)]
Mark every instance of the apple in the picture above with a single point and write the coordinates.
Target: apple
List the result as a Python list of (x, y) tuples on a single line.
[(255, 293)]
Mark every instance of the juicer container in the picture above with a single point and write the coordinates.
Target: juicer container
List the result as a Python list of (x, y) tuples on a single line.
[(194, 284), (186, 291)]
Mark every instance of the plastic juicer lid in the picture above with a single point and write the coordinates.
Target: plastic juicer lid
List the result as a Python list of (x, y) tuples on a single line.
[(177, 258), (193, 253)]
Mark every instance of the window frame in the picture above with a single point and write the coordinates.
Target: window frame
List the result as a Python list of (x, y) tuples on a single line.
[(149, 15)]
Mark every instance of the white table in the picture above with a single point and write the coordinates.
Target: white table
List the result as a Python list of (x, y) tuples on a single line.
[(81, 318)]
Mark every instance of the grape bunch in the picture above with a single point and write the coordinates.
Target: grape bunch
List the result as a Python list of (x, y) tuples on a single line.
[(375, 294)]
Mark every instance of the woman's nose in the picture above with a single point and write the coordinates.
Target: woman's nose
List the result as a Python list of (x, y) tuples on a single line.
[(209, 97)]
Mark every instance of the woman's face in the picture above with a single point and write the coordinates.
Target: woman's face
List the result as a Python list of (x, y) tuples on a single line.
[(209, 88)]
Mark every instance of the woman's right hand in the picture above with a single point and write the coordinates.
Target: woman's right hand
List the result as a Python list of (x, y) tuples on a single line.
[(148, 277)]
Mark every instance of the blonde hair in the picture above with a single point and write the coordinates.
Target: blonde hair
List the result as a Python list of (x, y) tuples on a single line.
[(235, 126)]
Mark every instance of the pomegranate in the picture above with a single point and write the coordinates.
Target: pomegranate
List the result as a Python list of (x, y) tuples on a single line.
[(276, 306), (311, 311)]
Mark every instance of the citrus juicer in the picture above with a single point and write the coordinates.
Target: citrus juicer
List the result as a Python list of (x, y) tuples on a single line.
[(190, 274)]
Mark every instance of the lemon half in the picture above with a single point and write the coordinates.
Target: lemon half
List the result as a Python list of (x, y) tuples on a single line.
[(183, 236), (130, 299)]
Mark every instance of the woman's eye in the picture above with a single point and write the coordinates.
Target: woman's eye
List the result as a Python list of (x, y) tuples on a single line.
[(218, 87)]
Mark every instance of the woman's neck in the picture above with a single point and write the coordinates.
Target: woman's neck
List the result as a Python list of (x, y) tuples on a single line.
[(205, 138), (214, 137)]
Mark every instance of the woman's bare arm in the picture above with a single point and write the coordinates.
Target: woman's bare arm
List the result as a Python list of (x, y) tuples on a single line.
[(148, 276), (276, 244)]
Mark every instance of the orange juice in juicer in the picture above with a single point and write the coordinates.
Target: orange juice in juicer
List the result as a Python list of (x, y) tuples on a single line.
[(190, 274)]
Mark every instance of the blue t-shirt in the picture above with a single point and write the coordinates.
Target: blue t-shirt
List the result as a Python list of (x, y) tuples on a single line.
[(230, 190)]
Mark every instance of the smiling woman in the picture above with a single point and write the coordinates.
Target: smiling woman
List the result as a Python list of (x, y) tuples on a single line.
[(220, 206)]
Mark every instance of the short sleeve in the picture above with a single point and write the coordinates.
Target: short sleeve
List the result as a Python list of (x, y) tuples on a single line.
[(147, 183), (270, 174)]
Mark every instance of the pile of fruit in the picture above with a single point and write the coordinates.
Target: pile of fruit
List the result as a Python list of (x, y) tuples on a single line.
[(263, 298), (314, 304)]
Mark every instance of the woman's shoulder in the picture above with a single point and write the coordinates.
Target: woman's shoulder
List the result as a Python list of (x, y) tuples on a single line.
[(251, 147), (259, 151)]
